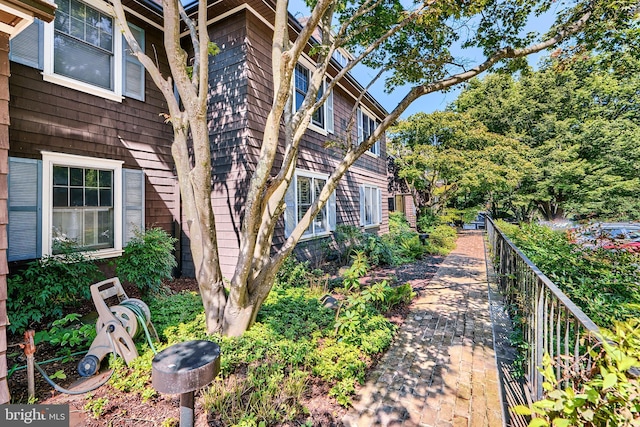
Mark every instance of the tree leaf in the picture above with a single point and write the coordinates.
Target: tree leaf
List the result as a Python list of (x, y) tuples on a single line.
[(522, 410), (609, 381)]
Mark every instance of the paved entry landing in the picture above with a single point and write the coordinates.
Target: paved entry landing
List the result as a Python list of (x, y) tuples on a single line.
[(441, 368)]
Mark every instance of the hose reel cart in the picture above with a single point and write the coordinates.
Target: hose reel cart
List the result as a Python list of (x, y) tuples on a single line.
[(116, 326)]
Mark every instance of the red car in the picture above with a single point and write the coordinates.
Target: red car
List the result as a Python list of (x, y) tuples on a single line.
[(609, 235)]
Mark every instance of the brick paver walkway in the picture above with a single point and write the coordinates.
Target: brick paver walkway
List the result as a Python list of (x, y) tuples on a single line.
[(441, 368)]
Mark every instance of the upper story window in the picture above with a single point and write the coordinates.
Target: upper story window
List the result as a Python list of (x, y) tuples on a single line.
[(82, 50), (366, 126), (322, 119), (83, 44), (340, 58)]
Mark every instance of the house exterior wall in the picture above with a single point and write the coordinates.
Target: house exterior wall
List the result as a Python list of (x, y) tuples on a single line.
[(228, 122), (4, 169), (49, 117), (241, 85)]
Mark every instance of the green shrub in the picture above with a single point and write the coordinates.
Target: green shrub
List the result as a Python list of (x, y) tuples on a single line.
[(346, 240), (49, 286), (377, 250), (293, 273), (442, 240), (603, 283), (608, 394), (68, 333), (147, 259), (398, 223), (411, 247), (428, 221)]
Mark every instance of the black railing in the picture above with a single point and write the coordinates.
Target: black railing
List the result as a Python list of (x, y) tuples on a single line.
[(551, 322)]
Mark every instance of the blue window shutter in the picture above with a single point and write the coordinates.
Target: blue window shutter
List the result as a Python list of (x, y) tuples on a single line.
[(332, 211), (133, 72), (27, 48), (132, 203), (290, 208), (25, 209)]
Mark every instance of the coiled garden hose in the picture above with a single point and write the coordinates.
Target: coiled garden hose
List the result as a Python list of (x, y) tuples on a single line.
[(60, 389), (142, 320)]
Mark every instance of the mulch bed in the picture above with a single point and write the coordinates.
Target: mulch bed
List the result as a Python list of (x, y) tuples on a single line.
[(124, 409)]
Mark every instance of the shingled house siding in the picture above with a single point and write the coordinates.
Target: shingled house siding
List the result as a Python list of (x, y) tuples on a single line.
[(314, 155), (241, 85), (4, 167), (227, 130), (49, 117)]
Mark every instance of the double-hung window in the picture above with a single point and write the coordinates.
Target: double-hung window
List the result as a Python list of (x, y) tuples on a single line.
[(302, 193), (366, 126), (322, 118), (370, 206), (88, 203), (82, 208), (83, 44), (83, 50)]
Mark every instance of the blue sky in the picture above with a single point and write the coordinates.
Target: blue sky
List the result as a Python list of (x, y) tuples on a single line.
[(437, 101)]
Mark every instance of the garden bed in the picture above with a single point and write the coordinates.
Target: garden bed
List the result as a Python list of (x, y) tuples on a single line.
[(108, 406)]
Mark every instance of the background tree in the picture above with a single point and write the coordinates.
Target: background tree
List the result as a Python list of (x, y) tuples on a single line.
[(413, 44), (450, 157), (579, 115)]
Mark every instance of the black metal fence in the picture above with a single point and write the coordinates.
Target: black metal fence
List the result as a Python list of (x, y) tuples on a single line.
[(551, 322)]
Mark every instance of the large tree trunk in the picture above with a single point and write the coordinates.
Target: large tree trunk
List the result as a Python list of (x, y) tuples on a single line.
[(195, 190), (256, 267)]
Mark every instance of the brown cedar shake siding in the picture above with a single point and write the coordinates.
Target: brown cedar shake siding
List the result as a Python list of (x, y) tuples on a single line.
[(43, 10), (241, 85), (49, 117), (4, 169)]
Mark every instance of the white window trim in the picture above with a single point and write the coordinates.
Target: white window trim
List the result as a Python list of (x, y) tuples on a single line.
[(363, 110), (324, 131), (49, 159), (49, 76), (376, 212), (310, 174)]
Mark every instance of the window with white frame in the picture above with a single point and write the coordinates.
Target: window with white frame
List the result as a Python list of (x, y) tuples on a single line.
[(80, 198), (82, 209), (302, 193), (323, 117), (366, 126), (82, 50), (370, 206), (94, 204)]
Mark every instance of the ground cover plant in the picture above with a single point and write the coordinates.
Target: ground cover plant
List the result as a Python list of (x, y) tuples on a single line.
[(294, 342), (298, 364)]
